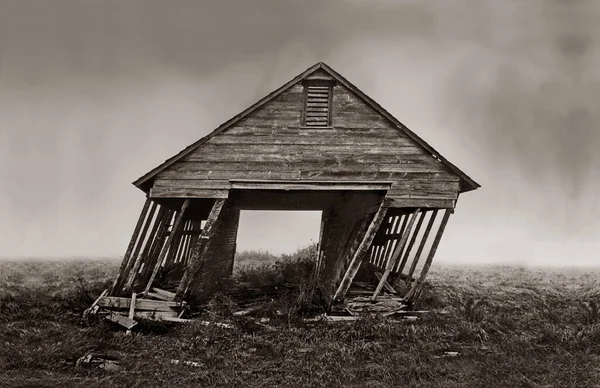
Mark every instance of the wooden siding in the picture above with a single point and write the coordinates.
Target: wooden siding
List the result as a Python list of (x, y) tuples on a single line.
[(271, 144)]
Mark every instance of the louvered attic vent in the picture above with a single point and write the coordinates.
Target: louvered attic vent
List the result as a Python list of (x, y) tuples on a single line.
[(317, 106)]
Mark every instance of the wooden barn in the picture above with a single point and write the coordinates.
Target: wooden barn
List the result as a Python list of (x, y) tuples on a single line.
[(316, 143)]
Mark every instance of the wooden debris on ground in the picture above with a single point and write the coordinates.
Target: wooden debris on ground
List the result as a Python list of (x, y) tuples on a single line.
[(125, 311), (188, 363), (102, 362)]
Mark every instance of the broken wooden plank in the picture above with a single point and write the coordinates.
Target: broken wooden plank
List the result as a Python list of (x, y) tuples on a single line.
[(361, 251), (164, 294), (121, 320), (115, 302), (157, 315)]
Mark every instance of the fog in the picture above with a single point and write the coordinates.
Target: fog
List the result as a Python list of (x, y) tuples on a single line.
[(94, 94)]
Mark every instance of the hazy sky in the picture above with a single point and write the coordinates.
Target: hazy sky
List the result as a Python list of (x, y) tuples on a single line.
[(93, 94)]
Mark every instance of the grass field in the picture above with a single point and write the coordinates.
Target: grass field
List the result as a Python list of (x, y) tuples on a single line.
[(511, 327)]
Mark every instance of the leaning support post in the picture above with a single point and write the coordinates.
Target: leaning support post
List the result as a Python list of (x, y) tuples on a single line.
[(392, 261), (165, 248), (415, 261), (134, 238), (419, 282), (135, 256), (195, 261), (412, 242), (361, 251), (143, 256)]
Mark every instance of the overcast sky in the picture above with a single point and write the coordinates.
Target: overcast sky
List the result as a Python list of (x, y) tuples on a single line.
[(93, 94)]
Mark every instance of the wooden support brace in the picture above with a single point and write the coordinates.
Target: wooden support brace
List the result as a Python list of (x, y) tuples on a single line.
[(386, 285), (134, 271), (158, 245), (136, 257), (165, 248), (418, 283), (195, 261), (412, 242), (391, 263), (134, 238), (171, 258), (360, 252), (415, 261)]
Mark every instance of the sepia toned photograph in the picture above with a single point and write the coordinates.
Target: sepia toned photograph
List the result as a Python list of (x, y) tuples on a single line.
[(300, 193)]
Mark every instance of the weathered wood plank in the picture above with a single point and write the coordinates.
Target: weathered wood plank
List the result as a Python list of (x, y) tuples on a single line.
[(176, 229), (303, 145), (147, 248), (176, 192), (114, 302), (360, 252), (402, 263), (309, 186), (124, 321), (423, 202), (418, 283), (391, 263), (386, 285), (167, 295), (415, 261), (128, 259)]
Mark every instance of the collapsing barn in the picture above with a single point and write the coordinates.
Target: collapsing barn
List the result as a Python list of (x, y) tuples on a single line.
[(316, 143)]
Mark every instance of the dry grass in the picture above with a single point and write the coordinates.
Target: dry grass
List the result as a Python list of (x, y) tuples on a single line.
[(511, 327)]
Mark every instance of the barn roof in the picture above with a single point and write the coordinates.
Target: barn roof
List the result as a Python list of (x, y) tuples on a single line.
[(467, 184)]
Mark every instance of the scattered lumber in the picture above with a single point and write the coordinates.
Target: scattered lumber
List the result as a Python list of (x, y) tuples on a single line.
[(122, 320), (188, 363), (163, 294)]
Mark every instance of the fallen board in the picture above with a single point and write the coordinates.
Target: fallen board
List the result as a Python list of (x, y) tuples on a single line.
[(113, 302)]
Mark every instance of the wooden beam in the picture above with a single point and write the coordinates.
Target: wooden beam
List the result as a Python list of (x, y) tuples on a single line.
[(412, 242), (171, 258), (134, 271), (132, 305), (386, 285), (136, 257), (360, 252), (415, 261), (391, 263), (134, 238), (165, 248), (308, 185), (195, 261), (158, 245), (113, 302), (418, 283)]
